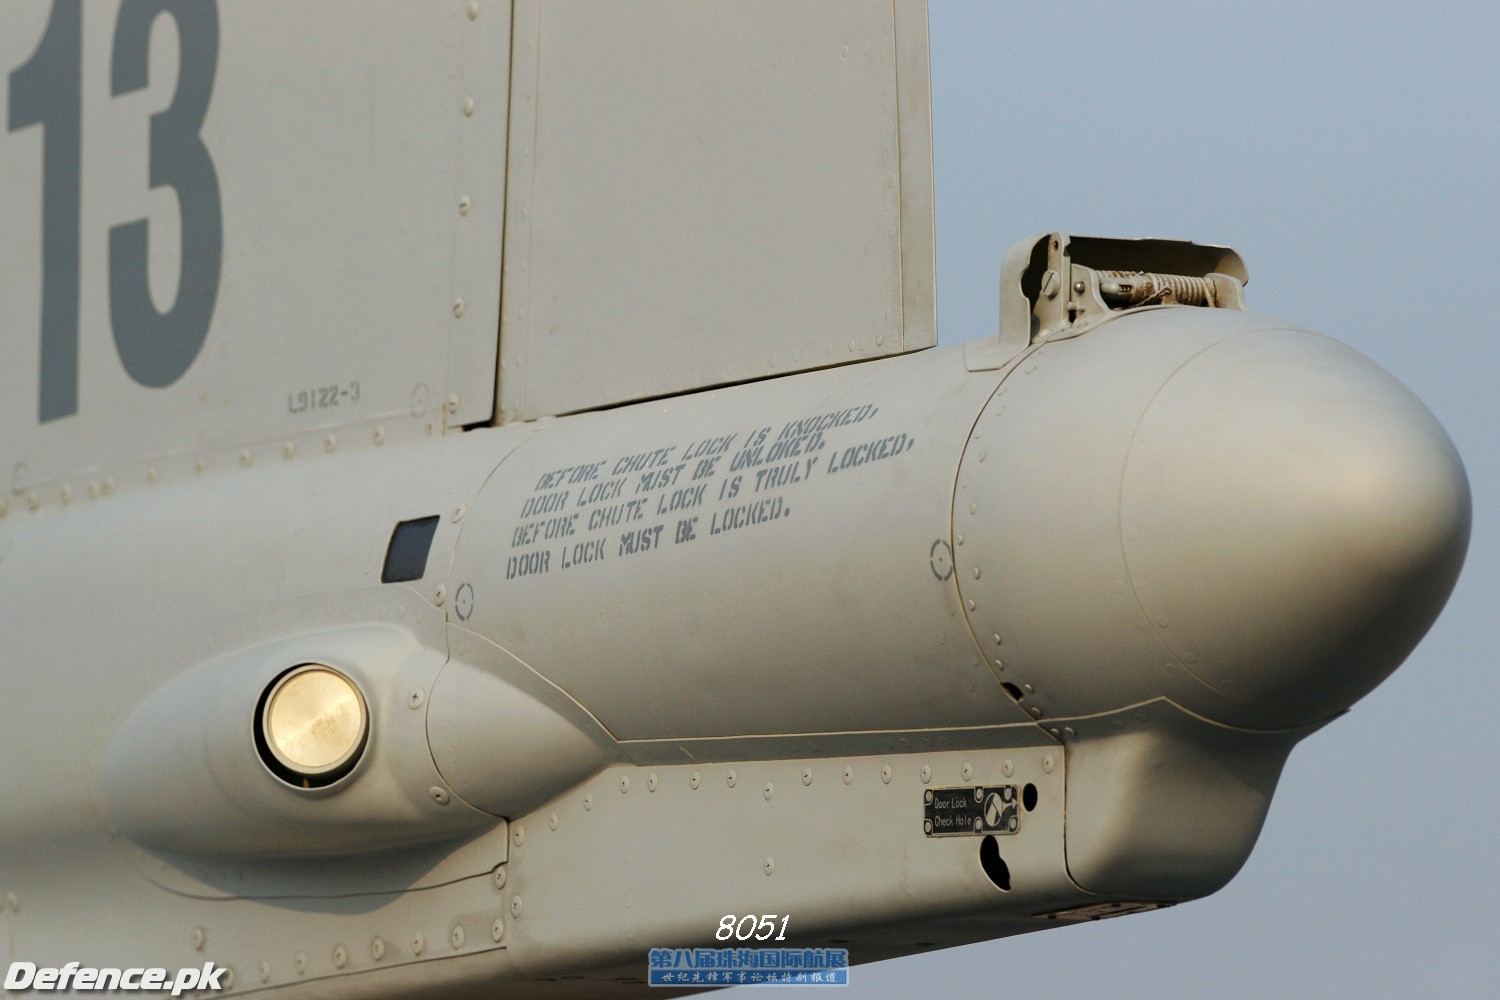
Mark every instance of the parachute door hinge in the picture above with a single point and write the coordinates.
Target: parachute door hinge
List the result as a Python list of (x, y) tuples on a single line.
[(1055, 285)]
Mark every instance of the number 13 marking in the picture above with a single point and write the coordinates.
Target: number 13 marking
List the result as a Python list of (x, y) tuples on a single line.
[(156, 348)]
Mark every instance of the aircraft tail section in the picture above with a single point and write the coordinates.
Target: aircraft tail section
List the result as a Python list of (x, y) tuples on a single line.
[(241, 233)]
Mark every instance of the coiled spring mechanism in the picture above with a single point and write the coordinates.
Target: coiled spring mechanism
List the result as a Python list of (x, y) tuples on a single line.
[(1128, 289)]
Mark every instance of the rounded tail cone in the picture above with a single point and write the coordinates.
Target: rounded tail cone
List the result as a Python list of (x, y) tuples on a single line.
[(1293, 521)]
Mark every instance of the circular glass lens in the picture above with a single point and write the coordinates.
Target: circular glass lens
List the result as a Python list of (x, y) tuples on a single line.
[(315, 720)]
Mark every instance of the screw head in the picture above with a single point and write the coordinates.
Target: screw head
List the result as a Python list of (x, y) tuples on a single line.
[(497, 930), (769, 866), (439, 795), (418, 944), (456, 937), (807, 776), (848, 775), (695, 779), (416, 698), (498, 876), (340, 957), (885, 774), (1051, 284), (300, 963), (768, 791), (651, 782), (731, 778), (1048, 763), (926, 774), (515, 906), (967, 771), (377, 949)]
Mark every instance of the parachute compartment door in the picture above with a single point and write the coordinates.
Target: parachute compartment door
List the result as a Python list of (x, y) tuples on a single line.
[(706, 193)]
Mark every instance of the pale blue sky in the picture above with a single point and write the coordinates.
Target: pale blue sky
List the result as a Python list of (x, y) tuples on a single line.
[(1351, 153)]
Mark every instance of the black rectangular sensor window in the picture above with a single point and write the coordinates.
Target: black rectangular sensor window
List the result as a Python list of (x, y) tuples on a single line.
[(406, 557)]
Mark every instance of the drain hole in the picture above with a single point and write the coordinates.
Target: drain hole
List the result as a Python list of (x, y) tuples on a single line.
[(1012, 690), (1028, 797), (993, 864)]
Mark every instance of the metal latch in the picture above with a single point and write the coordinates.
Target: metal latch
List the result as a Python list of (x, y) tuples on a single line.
[(1059, 284)]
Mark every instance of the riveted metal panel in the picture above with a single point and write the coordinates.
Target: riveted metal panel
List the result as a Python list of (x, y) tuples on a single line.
[(702, 194), (642, 857), (333, 214)]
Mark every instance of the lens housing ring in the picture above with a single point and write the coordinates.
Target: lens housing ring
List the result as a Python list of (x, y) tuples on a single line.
[(312, 725)]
